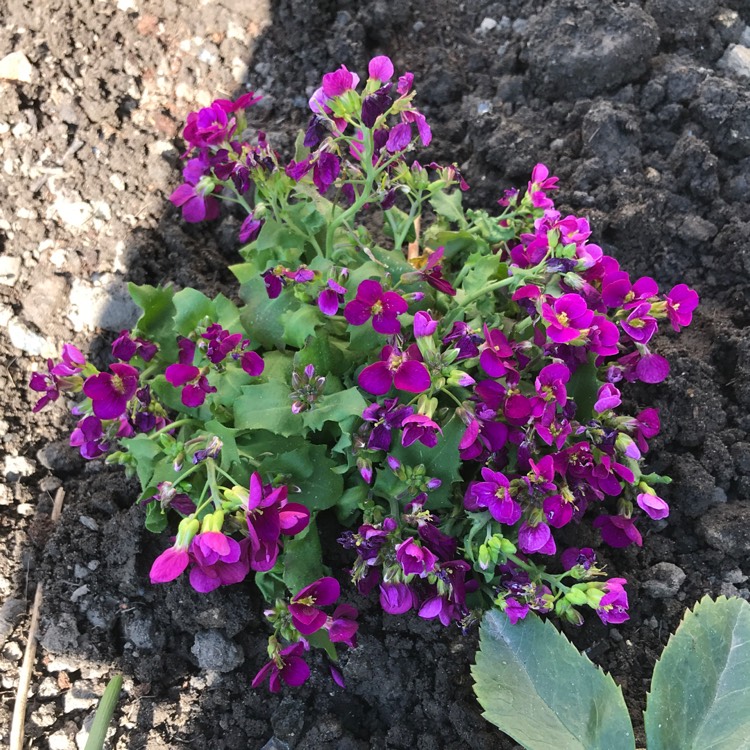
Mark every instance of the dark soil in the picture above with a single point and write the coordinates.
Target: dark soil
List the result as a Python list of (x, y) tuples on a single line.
[(633, 104)]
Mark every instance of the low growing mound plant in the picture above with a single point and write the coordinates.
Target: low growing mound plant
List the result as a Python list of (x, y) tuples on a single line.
[(447, 380)]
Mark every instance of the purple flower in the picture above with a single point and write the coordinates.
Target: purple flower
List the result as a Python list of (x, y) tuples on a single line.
[(385, 417), (268, 516), (342, 626), (327, 168), (372, 302), (550, 383), (399, 137), (418, 427), (394, 368), (250, 228), (374, 105), (125, 348), (639, 325), (64, 376), (681, 302), (288, 665), (303, 607), (613, 606), (89, 437), (424, 324), (425, 133), (209, 126), (494, 494), (536, 538), (618, 531), (220, 342), (330, 299), (196, 385), (396, 598), (432, 273), (573, 556), (496, 353), (218, 560), (415, 559), (111, 391), (515, 610), (194, 197), (652, 505)]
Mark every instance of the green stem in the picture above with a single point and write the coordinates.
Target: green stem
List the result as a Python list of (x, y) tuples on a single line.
[(212, 483), (228, 476), (553, 580), (186, 474), (415, 206), (171, 426), (448, 393)]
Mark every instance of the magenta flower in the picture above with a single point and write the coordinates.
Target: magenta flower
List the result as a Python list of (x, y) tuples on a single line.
[(424, 324), (171, 563), (418, 427), (496, 353), (209, 126), (218, 560), (330, 299), (639, 325), (288, 666), (613, 606), (380, 68), (399, 137), (196, 385), (415, 559), (394, 368), (385, 418), (89, 437), (607, 397), (111, 391), (268, 516), (550, 383), (515, 610), (536, 538), (342, 626), (397, 598), (303, 607), (64, 376), (195, 195), (618, 531), (250, 228), (681, 302), (566, 318), (372, 302), (325, 171), (432, 273), (652, 505), (573, 556)]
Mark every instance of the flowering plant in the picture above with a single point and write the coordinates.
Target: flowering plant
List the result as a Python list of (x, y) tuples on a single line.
[(452, 393)]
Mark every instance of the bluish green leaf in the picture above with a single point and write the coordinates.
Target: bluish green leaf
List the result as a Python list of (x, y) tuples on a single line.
[(262, 317), (535, 686), (301, 323), (449, 206), (700, 691), (156, 322), (145, 452), (267, 406), (156, 518)]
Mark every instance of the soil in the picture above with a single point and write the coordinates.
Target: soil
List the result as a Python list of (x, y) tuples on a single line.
[(642, 110)]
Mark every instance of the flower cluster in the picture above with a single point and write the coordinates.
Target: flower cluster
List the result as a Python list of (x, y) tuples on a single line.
[(454, 391)]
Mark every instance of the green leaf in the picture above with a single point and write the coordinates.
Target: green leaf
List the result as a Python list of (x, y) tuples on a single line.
[(442, 461), (156, 518), (349, 505), (335, 408), (271, 582), (700, 691), (226, 314), (104, 712), (582, 388), (321, 639), (191, 306), (301, 323), (267, 406), (156, 322), (536, 687), (229, 454), (303, 561), (325, 355), (144, 451), (449, 206), (262, 317)]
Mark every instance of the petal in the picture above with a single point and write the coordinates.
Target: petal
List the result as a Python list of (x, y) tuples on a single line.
[(369, 292), (179, 374), (295, 671), (357, 313), (169, 565), (411, 376), (386, 324), (376, 379)]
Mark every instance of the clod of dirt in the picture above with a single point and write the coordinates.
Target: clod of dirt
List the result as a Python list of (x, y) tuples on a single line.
[(214, 651), (666, 579)]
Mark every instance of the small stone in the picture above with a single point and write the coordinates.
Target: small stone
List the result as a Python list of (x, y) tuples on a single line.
[(89, 523), (73, 214), (214, 651), (735, 576), (117, 182), (61, 637), (23, 338), (275, 744), (12, 651), (666, 579), (736, 60), (48, 688), (487, 25), (80, 592), (80, 571), (60, 458), (80, 697), (45, 715), (25, 509), (126, 6), (16, 67), (21, 129), (60, 741), (10, 268), (17, 467)]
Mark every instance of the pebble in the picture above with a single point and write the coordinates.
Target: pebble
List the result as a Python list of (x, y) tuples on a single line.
[(12, 651), (81, 591), (45, 715), (487, 25), (736, 60), (48, 688), (10, 268), (16, 467), (80, 697), (23, 338), (665, 580), (89, 523), (214, 651), (60, 741), (16, 67), (275, 744)]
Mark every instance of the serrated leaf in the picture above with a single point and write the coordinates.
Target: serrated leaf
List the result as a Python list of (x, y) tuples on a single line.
[(449, 206), (262, 317), (536, 687), (335, 408), (700, 691), (156, 518), (156, 322), (301, 323), (145, 452), (267, 406), (191, 306)]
